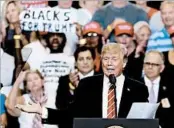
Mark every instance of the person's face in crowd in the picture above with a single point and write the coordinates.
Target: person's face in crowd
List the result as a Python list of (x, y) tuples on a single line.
[(55, 41), (65, 3), (142, 36), (167, 15), (112, 63), (12, 13), (124, 39), (92, 40), (153, 65), (85, 62), (34, 82), (92, 3)]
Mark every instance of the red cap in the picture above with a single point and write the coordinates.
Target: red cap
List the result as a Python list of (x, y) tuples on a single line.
[(93, 27), (124, 28)]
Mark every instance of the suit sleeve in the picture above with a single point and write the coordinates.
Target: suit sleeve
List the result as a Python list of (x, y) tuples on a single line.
[(145, 93), (64, 98), (141, 92), (61, 116), (81, 97)]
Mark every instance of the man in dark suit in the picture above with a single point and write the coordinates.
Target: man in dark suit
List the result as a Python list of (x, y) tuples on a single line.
[(84, 61), (92, 97), (91, 94), (159, 89)]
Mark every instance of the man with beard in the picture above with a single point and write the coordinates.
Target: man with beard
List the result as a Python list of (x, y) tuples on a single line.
[(55, 64), (34, 52), (56, 42)]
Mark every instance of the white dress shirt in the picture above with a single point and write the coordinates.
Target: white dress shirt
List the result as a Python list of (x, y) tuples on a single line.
[(156, 84), (119, 89), (81, 76)]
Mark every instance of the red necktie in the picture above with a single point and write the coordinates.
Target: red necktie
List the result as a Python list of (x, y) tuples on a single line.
[(112, 107)]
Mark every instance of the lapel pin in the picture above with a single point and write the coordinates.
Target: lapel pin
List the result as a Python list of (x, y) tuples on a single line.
[(128, 89), (164, 88)]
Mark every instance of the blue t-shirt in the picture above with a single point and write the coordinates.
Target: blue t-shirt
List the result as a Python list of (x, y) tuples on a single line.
[(108, 13), (2, 104)]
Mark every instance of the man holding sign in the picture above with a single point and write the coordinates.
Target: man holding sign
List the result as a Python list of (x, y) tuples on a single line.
[(57, 19)]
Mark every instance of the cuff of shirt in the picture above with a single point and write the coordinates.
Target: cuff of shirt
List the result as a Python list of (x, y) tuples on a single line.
[(44, 113)]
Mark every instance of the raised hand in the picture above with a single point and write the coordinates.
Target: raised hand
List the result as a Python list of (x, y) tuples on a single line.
[(21, 77), (105, 41), (74, 78), (78, 30)]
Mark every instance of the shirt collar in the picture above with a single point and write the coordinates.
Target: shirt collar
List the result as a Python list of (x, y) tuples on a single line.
[(119, 79), (91, 73), (156, 81)]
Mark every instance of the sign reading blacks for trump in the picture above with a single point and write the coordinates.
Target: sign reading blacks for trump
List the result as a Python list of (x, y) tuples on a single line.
[(48, 19)]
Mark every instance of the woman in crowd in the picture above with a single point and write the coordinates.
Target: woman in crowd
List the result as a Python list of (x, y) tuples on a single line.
[(35, 94), (11, 13), (142, 33)]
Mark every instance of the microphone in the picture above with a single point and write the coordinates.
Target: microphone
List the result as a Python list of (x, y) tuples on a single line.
[(112, 79)]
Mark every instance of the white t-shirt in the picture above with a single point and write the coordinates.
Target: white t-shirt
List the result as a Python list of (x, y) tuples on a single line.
[(52, 68)]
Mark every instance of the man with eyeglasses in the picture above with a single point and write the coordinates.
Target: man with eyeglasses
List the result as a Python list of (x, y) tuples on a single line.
[(158, 88)]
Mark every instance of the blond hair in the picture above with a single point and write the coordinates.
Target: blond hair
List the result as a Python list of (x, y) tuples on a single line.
[(5, 5), (26, 76), (33, 71), (113, 48), (167, 3), (157, 53)]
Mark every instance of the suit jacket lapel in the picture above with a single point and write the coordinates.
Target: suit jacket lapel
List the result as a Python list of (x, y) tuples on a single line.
[(125, 100), (162, 91), (98, 96)]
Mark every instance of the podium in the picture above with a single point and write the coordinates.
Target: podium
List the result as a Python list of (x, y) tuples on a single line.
[(115, 123)]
